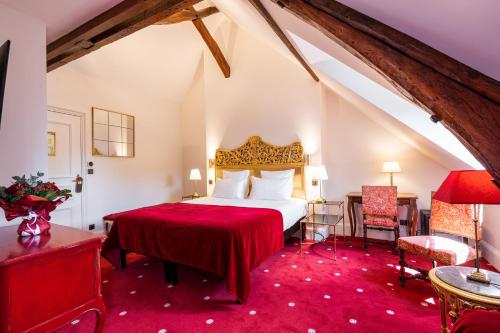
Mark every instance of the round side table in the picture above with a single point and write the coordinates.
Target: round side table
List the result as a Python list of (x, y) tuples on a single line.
[(455, 292)]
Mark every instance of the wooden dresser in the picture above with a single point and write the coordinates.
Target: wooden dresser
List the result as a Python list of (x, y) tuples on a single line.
[(49, 280)]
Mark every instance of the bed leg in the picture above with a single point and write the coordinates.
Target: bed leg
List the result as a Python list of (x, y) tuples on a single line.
[(123, 259), (170, 272)]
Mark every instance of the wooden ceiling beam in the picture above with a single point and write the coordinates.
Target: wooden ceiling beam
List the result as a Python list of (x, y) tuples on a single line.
[(213, 47), (189, 15), (284, 38), (122, 20), (467, 108)]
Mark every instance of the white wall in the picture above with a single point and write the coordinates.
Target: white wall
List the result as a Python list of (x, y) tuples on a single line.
[(23, 132), (490, 244), (154, 174), (194, 150), (354, 149)]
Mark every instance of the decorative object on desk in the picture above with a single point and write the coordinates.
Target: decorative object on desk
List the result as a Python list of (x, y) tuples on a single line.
[(319, 175), (51, 141), (33, 200), (113, 134), (470, 187), (196, 176), (391, 168)]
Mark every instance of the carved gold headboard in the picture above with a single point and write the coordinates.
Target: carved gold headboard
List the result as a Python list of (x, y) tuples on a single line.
[(256, 155)]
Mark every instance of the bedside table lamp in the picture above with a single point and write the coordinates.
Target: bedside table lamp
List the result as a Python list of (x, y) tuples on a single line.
[(320, 175), (391, 167), (196, 176), (470, 187)]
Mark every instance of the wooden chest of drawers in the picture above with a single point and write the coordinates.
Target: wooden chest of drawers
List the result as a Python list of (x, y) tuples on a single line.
[(48, 280)]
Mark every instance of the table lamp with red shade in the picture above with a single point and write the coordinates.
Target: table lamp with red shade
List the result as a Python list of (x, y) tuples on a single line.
[(470, 187)]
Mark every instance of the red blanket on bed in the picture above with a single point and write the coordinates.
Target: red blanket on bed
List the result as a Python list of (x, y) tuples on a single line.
[(228, 241)]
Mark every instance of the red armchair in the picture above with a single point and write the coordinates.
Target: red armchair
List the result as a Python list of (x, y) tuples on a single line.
[(380, 210), (454, 219)]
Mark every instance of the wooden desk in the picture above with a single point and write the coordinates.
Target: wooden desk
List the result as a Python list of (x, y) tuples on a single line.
[(404, 199), (48, 280), (456, 293)]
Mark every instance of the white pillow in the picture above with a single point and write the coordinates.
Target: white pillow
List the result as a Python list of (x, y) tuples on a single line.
[(238, 175), (229, 189), (271, 189), (277, 174)]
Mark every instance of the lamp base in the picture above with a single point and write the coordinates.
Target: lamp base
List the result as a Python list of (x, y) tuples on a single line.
[(478, 277), (320, 200)]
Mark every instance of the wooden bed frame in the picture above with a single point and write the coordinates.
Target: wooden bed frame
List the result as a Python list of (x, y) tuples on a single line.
[(255, 155)]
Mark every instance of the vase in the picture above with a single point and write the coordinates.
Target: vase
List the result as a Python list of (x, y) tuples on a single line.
[(34, 224)]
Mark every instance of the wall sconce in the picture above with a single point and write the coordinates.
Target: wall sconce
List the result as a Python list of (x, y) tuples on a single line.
[(211, 163), (308, 159)]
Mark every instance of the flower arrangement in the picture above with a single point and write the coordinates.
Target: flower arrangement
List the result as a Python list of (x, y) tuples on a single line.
[(33, 199)]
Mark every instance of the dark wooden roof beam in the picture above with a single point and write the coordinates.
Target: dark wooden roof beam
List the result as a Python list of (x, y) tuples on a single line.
[(284, 38)]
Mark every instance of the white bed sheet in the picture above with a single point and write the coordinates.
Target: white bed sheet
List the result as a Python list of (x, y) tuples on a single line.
[(291, 210)]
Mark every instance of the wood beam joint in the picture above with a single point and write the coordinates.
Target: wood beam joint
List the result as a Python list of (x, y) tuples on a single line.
[(284, 38)]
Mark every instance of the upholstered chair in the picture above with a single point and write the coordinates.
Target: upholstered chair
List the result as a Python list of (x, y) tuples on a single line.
[(380, 210), (445, 218)]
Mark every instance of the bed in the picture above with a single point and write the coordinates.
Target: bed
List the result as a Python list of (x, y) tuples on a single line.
[(228, 237)]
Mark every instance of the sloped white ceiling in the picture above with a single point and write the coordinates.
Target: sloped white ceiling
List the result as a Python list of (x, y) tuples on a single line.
[(466, 30), (61, 16)]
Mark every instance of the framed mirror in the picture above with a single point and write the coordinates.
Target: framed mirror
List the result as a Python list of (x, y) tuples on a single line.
[(113, 134)]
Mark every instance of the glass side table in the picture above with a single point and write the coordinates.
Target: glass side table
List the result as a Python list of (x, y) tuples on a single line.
[(328, 214), (455, 292)]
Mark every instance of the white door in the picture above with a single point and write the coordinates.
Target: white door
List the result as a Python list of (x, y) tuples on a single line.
[(65, 165)]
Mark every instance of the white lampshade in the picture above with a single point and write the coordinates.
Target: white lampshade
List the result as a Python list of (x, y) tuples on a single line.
[(391, 166), (195, 174), (320, 173)]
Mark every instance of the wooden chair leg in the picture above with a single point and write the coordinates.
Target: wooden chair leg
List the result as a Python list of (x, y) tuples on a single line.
[(402, 265), (365, 237), (396, 237)]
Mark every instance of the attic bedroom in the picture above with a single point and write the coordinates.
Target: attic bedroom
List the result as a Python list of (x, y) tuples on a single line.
[(249, 166)]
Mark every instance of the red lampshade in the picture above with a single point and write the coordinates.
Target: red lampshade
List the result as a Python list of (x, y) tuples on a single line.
[(468, 187)]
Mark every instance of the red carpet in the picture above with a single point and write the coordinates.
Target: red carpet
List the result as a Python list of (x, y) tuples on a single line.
[(291, 293)]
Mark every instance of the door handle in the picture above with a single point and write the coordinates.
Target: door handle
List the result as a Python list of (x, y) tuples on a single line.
[(78, 183)]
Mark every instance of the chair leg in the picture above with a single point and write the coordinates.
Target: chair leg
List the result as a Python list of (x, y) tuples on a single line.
[(402, 265), (396, 237), (365, 238)]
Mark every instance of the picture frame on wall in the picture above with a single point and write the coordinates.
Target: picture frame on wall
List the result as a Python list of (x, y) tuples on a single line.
[(51, 141)]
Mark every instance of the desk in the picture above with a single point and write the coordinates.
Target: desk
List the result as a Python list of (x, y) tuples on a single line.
[(456, 292), (49, 280), (404, 199)]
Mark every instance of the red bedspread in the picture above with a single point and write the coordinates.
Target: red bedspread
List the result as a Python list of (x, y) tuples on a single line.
[(228, 241)]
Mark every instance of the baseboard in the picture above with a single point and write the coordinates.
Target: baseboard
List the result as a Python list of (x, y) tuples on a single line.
[(491, 254)]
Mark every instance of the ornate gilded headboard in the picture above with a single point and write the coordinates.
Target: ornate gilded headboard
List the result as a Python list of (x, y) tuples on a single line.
[(256, 155)]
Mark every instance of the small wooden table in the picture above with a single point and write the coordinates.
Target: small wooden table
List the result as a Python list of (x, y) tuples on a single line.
[(49, 280), (404, 199), (456, 292)]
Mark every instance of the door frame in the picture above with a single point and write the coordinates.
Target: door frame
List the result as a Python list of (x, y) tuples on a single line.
[(83, 136)]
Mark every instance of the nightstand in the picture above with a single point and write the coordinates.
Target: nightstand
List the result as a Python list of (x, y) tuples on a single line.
[(329, 214)]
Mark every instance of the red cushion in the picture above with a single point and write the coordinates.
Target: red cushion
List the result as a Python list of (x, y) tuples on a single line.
[(477, 321)]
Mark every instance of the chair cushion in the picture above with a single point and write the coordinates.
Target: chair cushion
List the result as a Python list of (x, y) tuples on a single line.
[(381, 221), (443, 250)]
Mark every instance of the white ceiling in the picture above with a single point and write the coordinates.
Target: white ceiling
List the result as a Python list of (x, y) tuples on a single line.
[(61, 16), (464, 29)]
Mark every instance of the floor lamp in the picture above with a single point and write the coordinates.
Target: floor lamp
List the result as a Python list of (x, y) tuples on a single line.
[(474, 187)]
